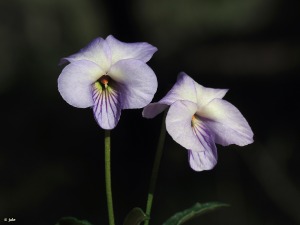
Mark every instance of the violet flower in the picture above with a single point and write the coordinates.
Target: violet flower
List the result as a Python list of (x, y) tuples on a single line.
[(109, 76), (198, 118)]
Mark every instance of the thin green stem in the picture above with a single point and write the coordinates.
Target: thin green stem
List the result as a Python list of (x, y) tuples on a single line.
[(155, 168), (108, 179)]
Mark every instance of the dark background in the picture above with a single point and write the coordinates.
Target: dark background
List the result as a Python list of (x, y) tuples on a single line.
[(52, 154)]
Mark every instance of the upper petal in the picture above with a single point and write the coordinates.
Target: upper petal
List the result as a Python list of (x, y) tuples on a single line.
[(136, 80), (75, 80), (96, 51), (121, 50), (205, 95), (227, 123), (178, 124), (183, 89)]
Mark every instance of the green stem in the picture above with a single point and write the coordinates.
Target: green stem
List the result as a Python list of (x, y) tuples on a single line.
[(108, 178), (155, 168)]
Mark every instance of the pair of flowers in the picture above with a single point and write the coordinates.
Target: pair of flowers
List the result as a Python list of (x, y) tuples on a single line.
[(109, 75)]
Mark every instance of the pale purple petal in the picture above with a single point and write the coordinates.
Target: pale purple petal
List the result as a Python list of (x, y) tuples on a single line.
[(207, 159), (137, 81), (96, 51), (75, 80), (107, 107), (153, 109), (205, 95), (184, 89), (227, 123), (200, 161), (121, 50), (179, 125)]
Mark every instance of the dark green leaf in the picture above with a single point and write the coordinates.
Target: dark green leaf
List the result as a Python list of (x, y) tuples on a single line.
[(135, 217), (190, 213), (72, 221)]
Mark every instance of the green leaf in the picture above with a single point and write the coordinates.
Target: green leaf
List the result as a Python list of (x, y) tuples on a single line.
[(194, 211), (72, 221), (135, 217)]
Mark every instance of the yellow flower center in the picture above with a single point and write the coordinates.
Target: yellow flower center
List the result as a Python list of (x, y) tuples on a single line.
[(194, 120)]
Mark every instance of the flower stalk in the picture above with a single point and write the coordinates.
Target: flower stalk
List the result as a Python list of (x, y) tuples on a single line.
[(108, 178), (155, 168)]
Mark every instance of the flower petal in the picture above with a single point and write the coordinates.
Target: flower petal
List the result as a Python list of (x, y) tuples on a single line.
[(74, 82), (121, 50), (227, 123), (178, 124), (107, 107), (153, 109), (96, 51), (203, 160), (205, 95), (137, 81), (200, 161), (184, 89)]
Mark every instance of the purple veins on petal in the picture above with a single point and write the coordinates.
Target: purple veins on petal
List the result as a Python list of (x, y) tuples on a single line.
[(202, 132), (208, 158), (107, 103)]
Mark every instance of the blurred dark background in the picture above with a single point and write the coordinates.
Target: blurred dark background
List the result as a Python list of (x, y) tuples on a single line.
[(52, 154)]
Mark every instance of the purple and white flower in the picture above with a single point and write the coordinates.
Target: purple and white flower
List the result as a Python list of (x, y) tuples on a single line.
[(109, 75), (198, 118)]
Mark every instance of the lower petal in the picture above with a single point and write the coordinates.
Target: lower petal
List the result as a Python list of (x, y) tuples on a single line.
[(178, 124), (74, 82), (227, 123), (107, 106), (207, 159), (200, 161), (191, 132), (137, 81)]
